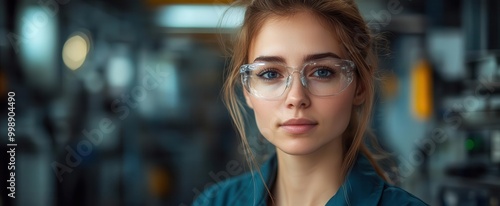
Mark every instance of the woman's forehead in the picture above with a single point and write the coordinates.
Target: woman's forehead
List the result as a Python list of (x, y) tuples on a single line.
[(294, 37)]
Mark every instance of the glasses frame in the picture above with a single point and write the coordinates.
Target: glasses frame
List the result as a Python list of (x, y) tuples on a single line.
[(347, 70)]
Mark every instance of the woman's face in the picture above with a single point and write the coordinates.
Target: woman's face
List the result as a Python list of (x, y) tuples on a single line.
[(298, 122)]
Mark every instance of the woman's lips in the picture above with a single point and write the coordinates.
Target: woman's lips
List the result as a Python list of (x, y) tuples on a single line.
[(298, 126)]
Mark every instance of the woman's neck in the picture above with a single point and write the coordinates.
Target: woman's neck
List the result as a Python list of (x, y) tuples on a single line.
[(308, 179)]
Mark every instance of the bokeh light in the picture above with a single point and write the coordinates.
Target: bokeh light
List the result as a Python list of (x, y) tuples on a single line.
[(75, 50)]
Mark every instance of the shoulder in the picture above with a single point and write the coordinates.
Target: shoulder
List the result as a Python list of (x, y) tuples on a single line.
[(392, 195), (374, 190), (246, 189), (227, 192)]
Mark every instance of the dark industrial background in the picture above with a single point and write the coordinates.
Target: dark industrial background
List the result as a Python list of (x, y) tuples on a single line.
[(118, 102)]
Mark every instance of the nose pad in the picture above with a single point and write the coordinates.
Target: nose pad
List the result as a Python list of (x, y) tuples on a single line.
[(303, 80)]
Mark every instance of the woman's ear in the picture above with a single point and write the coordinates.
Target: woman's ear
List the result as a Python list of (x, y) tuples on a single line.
[(360, 95), (247, 98)]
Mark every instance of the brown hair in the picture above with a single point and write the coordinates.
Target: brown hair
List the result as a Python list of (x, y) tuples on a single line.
[(345, 20)]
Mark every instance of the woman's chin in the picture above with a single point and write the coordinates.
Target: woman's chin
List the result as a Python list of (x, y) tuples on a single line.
[(306, 145), (295, 147)]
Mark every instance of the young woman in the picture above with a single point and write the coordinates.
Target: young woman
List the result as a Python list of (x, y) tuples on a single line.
[(306, 69)]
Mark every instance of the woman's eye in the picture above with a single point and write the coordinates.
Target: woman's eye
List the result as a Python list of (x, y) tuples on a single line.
[(322, 72), (269, 74)]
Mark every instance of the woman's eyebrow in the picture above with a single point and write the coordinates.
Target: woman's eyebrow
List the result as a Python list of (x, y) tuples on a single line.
[(320, 56), (270, 59), (307, 58)]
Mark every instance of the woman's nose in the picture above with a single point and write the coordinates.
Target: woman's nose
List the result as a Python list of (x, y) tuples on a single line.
[(297, 95)]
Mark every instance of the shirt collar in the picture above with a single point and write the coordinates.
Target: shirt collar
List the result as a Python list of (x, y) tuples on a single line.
[(363, 186), (362, 181)]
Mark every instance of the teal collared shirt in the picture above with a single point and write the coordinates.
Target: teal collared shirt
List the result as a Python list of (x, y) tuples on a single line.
[(362, 187)]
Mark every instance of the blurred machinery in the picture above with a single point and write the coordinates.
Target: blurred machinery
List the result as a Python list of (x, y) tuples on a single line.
[(474, 111), (115, 107), (470, 107), (150, 71)]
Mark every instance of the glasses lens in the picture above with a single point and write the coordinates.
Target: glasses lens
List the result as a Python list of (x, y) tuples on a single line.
[(267, 80), (325, 77)]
